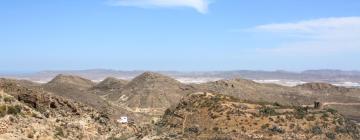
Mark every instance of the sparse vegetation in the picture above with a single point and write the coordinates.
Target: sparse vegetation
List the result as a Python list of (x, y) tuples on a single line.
[(193, 130), (8, 99), (265, 126), (14, 110), (316, 130), (300, 112), (3, 110), (332, 111), (331, 136), (311, 118), (276, 129), (267, 111), (199, 115), (340, 130), (59, 132)]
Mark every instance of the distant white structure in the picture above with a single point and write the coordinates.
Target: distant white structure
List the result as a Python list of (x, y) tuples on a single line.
[(123, 120)]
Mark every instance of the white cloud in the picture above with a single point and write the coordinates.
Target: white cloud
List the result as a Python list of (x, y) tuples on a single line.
[(199, 5), (318, 36), (313, 26)]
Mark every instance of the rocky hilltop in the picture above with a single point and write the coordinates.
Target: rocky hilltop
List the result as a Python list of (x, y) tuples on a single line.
[(74, 87), (108, 86), (150, 92), (215, 116), (323, 87), (71, 81), (110, 83), (36, 114), (250, 90)]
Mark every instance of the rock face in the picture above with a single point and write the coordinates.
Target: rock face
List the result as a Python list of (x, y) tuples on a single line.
[(150, 91), (215, 116), (35, 114)]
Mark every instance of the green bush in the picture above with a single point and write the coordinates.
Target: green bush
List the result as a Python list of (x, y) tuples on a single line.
[(8, 99), (340, 129), (300, 112), (14, 110), (59, 132), (332, 111), (265, 126), (331, 136), (3, 110), (311, 118), (325, 115), (267, 111), (277, 129), (316, 130)]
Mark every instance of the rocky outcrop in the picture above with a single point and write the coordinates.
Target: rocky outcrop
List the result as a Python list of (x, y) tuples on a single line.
[(37, 114), (250, 90), (215, 116)]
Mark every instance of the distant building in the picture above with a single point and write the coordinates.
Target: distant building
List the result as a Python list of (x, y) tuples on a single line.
[(123, 120)]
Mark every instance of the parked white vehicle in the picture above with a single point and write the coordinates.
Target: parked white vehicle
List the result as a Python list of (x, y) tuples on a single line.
[(123, 120)]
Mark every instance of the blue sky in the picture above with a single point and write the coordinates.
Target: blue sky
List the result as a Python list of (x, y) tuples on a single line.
[(190, 35)]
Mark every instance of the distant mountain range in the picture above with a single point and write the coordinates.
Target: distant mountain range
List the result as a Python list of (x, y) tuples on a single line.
[(336, 77), (160, 107)]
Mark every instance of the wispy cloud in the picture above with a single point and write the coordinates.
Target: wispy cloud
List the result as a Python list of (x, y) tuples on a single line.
[(199, 5), (325, 35)]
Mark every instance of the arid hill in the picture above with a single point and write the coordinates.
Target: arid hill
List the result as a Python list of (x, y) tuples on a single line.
[(214, 116), (36, 114), (71, 81), (108, 86), (239, 109), (250, 90), (149, 92), (75, 88), (323, 87)]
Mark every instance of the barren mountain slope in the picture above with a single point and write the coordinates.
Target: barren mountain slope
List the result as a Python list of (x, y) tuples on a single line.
[(108, 86), (345, 100), (150, 91), (72, 81), (75, 88), (250, 90), (35, 114), (215, 116)]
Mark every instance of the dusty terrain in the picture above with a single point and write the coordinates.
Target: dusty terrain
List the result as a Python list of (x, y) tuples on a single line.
[(159, 106), (215, 116)]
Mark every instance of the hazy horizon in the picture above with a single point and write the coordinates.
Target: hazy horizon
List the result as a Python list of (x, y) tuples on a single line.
[(185, 71)]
